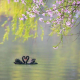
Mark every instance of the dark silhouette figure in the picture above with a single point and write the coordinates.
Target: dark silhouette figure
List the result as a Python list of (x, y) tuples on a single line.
[(17, 61), (25, 61)]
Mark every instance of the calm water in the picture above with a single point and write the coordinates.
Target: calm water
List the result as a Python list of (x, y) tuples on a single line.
[(60, 64)]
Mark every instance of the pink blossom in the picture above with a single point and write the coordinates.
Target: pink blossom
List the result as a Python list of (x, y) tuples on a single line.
[(62, 1), (23, 15), (66, 10), (31, 15), (60, 31), (8, 1), (48, 10), (70, 16), (72, 20), (36, 11), (71, 25), (78, 2), (50, 19), (21, 18), (37, 2), (59, 14), (60, 19), (64, 29), (55, 47), (56, 11), (27, 12), (59, 2), (29, 8), (74, 11), (50, 13), (23, 2), (47, 22), (37, 6), (68, 23), (62, 9), (16, 0), (34, 1), (43, 14), (41, 19), (69, 11), (57, 21), (54, 22), (69, 1), (74, 2), (40, 2), (54, 6)]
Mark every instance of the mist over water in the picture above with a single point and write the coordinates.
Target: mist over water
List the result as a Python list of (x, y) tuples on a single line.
[(60, 64)]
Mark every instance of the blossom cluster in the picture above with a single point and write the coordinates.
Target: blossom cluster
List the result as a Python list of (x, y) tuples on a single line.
[(62, 12), (23, 17), (61, 15), (23, 1)]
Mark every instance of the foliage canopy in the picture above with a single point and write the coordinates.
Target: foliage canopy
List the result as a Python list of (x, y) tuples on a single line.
[(61, 17)]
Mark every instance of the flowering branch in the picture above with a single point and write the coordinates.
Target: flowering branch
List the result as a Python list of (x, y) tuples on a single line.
[(62, 17)]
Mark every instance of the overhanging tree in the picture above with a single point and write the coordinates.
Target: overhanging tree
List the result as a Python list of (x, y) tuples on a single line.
[(61, 16)]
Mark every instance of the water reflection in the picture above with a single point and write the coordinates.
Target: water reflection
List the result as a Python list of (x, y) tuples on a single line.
[(61, 64)]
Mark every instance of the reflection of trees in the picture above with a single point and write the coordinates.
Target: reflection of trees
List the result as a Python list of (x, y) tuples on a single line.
[(17, 70), (71, 61), (60, 66), (17, 73)]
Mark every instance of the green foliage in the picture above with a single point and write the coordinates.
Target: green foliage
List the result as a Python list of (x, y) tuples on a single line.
[(42, 33), (26, 28), (5, 37), (61, 18)]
